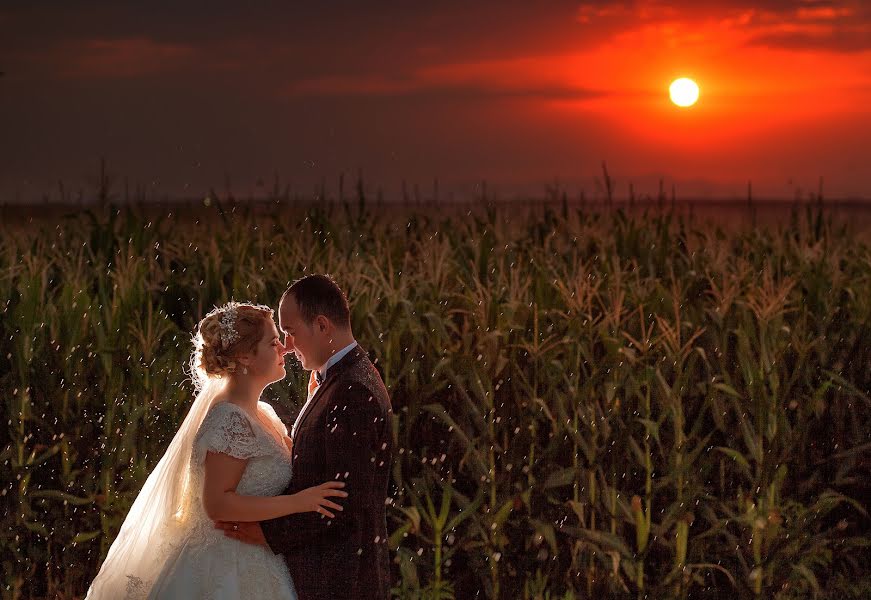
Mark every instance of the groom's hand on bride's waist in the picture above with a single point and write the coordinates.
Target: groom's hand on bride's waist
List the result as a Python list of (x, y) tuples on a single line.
[(250, 533)]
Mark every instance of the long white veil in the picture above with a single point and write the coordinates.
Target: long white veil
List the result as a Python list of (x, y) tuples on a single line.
[(161, 511)]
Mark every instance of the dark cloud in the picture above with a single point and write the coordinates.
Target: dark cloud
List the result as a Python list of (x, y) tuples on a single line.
[(439, 85), (332, 37)]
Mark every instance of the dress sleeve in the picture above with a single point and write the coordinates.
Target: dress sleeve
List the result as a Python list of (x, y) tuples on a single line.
[(227, 431)]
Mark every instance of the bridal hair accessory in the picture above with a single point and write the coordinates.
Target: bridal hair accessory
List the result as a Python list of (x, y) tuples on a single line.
[(228, 326)]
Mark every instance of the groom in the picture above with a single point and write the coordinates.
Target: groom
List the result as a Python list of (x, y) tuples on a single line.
[(343, 432)]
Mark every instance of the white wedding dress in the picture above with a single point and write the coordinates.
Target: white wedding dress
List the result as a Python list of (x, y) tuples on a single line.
[(204, 563)]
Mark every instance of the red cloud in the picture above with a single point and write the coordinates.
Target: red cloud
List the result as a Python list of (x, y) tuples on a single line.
[(128, 57), (541, 77), (836, 25)]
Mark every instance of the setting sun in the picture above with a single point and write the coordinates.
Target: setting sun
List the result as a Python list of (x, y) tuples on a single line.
[(683, 91)]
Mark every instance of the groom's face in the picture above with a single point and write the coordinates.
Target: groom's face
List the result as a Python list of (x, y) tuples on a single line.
[(304, 340)]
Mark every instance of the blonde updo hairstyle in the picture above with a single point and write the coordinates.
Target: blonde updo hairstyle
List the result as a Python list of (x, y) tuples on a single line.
[(215, 355)]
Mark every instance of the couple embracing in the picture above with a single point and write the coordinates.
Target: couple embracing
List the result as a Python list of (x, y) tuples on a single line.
[(240, 507)]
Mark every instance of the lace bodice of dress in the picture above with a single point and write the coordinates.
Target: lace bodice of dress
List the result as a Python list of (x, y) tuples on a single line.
[(228, 429)]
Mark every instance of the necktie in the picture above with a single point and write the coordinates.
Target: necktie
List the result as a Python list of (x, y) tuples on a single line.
[(312, 383)]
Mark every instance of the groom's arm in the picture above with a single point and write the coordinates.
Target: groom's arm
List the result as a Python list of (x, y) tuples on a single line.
[(356, 431)]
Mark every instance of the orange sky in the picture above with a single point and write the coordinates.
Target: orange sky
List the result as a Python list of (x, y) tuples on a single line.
[(515, 93)]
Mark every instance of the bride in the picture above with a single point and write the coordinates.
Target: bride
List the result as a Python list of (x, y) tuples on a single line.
[(227, 462)]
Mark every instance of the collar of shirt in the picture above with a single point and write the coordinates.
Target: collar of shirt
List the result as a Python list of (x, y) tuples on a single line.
[(336, 358)]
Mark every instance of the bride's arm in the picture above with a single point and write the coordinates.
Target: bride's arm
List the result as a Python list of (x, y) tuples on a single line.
[(222, 503)]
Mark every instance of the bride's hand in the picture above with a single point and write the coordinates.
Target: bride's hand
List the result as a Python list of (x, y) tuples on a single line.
[(314, 499)]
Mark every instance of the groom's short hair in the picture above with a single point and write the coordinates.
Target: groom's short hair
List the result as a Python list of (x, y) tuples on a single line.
[(320, 295)]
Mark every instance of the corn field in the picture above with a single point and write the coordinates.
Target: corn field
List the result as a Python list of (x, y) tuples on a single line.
[(587, 403)]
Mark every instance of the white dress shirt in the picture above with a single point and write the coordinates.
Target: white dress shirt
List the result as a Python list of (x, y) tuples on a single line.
[(336, 358)]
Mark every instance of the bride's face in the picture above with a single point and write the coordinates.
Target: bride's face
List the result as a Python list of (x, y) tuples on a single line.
[(268, 361)]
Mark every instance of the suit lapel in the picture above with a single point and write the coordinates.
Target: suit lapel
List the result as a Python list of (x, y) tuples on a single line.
[(349, 359), (310, 405)]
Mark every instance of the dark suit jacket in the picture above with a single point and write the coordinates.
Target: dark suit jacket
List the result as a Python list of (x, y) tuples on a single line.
[(345, 435)]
